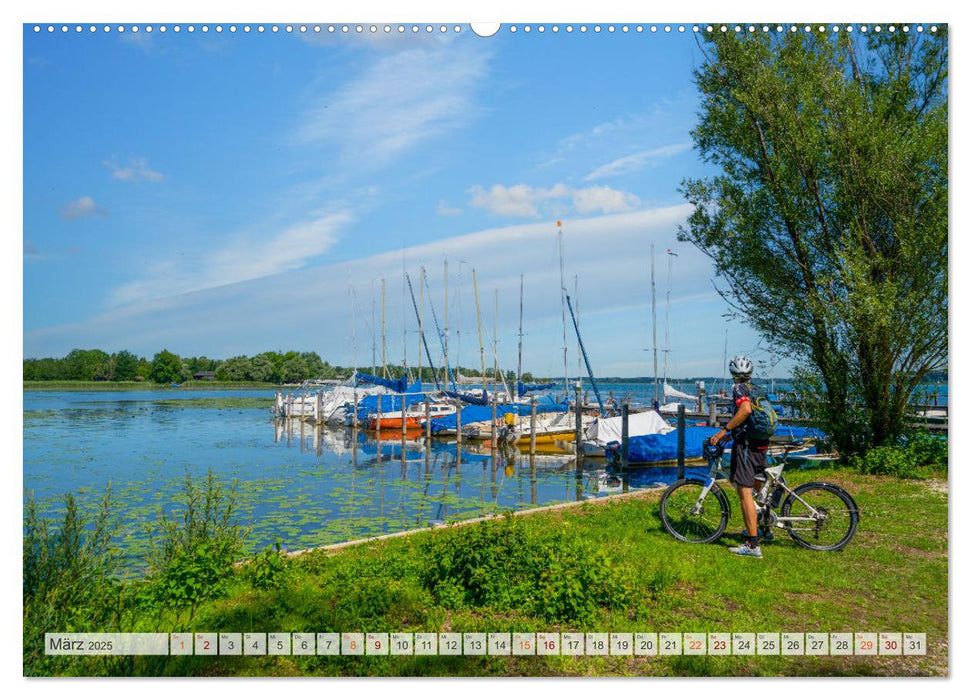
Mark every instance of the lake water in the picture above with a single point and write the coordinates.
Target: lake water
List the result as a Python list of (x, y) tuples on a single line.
[(295, 486)]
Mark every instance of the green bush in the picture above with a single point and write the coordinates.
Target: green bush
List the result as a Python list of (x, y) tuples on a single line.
[(916, 456), (69, 582), (505, 565), (268, 569), (194, 550)]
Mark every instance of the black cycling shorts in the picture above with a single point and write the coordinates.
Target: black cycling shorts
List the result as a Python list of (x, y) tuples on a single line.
[(747, 461)]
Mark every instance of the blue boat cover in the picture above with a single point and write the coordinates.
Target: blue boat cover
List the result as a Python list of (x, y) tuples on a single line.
[(526, 388), (664, 448), (483, 400), (399, 385)]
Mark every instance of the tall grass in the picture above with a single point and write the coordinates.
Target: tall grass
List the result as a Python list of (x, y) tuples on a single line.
[(69, 584)]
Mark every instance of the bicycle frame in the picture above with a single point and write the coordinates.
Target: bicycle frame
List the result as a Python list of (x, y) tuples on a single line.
[(772, 480)]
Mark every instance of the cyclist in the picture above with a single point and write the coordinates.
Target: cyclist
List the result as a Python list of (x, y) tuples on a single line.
[(748, 455)]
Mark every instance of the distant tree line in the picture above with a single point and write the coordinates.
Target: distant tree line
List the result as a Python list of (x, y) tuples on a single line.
[(167, 367)]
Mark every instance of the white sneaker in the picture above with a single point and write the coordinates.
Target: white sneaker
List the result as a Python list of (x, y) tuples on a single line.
[(746, 551)]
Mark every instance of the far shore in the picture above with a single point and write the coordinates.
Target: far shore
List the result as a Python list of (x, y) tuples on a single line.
[(149, 386)]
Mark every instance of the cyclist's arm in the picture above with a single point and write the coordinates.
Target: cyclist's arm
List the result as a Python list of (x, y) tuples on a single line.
[(743, 412)]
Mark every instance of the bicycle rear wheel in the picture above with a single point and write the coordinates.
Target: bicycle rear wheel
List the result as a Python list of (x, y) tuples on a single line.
[(831, 516), (683, 520)]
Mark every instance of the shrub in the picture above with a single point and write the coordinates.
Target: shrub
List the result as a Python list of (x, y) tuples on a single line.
[(915, 456), (504, 564), (194, 550), (69, 583), (268, 569)]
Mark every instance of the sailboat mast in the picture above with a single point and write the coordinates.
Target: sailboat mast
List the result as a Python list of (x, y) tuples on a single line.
[(519, 366), (374, 349), (576, 296), (667, 317), (353, 327), (566, 371), (404, 315), (421, 318), (495, 347), (654, 323), (384, 338), (445, 331), (478, 319)]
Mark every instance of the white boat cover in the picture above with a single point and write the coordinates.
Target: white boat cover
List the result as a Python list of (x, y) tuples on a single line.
[(334, 400), (674, 393), (606, 430)]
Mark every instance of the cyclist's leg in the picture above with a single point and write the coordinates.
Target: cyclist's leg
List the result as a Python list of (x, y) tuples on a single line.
[(743, 476)]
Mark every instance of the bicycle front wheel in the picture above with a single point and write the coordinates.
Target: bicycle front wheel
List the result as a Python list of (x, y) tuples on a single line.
[(690, 521), (827, 516)]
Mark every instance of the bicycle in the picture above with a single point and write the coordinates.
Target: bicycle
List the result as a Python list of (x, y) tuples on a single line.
[(817, 515)]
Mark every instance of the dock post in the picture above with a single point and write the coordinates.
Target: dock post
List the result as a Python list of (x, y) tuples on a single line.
[(377, 424), (579, 430), (680, 441), (303, 447), (428, 422), (495, 408), (319, 408), (712, 413), (625, 442), (354, 419), (402, 422), (277, 404), (458, 424), (532, 427)]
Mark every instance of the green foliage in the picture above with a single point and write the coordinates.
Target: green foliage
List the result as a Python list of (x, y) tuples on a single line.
[(916, 456), (827, 221), (124, 366), (167, 368), (194, 549), (69, 583), (268, 569), (506, 565)]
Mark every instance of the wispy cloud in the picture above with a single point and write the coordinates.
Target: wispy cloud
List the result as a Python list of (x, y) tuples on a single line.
[(636, 161), (32, 252), (81, 209), (444, 209), (524, 201), (402, 100), (615, 317), (243, 257), (137, 170)]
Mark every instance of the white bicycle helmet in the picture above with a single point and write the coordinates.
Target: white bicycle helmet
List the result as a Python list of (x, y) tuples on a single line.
[(740, 366)]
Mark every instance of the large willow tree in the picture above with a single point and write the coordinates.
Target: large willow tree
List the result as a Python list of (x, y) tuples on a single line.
[(827, 220)]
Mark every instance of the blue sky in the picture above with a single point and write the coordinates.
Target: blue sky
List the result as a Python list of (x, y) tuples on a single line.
[(228, 193)]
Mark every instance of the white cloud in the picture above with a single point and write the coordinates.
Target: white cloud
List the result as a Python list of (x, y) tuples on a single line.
[(603, 199), (242, 258), (402, 100), (524, 201), (137, 170), (443, 209), (636, 161), (81, 208)]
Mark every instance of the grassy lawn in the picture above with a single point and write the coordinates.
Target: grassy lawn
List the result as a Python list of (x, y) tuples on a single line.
[(599, 567)]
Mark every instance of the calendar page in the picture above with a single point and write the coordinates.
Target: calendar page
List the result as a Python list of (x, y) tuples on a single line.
[(429, 348)]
